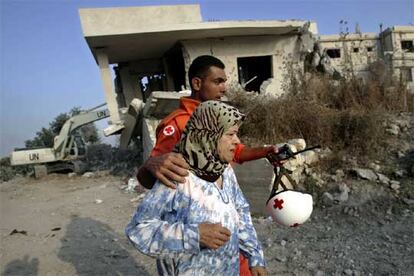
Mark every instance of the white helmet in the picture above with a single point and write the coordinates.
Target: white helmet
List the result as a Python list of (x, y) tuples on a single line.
[(290, 208)]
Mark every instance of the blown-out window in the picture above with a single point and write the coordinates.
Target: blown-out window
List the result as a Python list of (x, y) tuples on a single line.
[(334, 53), (407, 45), (253, 71)]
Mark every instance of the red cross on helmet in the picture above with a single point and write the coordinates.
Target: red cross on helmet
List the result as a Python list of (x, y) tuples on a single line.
[(290, 208)]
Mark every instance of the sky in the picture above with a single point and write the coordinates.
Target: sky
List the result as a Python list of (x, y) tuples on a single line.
[(47, 68)]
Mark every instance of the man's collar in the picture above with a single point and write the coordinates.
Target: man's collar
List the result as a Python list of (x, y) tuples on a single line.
[(189, 104)]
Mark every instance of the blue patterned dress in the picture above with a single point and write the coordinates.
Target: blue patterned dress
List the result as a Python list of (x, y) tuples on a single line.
[(166, 226)]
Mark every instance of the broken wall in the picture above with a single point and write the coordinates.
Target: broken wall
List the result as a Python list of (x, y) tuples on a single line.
[(399, 45), (281, 49), (393, 38), (355, 52), (128, 82), (352, 53)]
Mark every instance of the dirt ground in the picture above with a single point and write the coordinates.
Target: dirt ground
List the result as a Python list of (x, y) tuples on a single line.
[(75, 226)]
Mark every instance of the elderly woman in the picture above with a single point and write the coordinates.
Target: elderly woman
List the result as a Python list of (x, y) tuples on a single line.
[(171, 224)]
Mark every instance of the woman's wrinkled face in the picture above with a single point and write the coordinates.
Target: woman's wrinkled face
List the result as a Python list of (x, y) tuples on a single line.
[(227, 144)]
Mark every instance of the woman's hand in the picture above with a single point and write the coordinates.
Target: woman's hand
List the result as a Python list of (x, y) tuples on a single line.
[(213, 235)]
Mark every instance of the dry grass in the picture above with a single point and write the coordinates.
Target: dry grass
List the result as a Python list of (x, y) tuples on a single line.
[(345, 115)]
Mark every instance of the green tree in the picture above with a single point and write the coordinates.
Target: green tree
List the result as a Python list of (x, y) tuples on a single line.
[(43, 138)]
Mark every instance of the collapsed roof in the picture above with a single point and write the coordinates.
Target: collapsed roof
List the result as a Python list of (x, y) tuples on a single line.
[(136, 33)]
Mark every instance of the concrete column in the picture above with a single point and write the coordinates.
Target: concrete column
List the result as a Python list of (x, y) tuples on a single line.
[(108, 85), (168, 82), (412, 74), (128, 84)]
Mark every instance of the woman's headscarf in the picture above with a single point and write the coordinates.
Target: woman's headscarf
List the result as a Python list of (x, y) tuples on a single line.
[(199, 141)]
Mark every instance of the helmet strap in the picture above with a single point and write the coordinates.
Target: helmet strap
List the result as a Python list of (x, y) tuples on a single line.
[(279, 173)]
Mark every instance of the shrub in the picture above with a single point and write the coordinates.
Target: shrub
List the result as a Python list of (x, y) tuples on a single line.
[(106, 157), (345, 115), (7, 172)]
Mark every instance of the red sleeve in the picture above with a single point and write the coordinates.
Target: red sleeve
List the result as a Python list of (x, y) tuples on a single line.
[(168, 134), (237, 152)]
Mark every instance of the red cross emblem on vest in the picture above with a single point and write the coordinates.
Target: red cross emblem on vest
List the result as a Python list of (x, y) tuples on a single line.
[(168, 130)]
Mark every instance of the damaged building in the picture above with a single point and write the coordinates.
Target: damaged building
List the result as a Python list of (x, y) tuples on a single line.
[(155, 46), (398, 51), (355, 52), (151, 48), (148, 51), (352, 52), (144, 53)]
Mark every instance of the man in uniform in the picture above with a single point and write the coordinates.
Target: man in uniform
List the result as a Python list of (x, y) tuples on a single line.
[(207, 80)]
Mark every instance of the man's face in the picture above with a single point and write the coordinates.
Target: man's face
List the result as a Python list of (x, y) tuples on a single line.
[(227, 144), (212, 86)]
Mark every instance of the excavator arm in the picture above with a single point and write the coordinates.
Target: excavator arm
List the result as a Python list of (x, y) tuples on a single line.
[(61, 141), (66, 144)]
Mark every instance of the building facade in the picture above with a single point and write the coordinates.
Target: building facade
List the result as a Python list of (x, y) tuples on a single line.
[(149, 49), (354, 53)]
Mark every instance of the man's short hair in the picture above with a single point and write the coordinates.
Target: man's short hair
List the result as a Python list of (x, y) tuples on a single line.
[(200, 66)]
